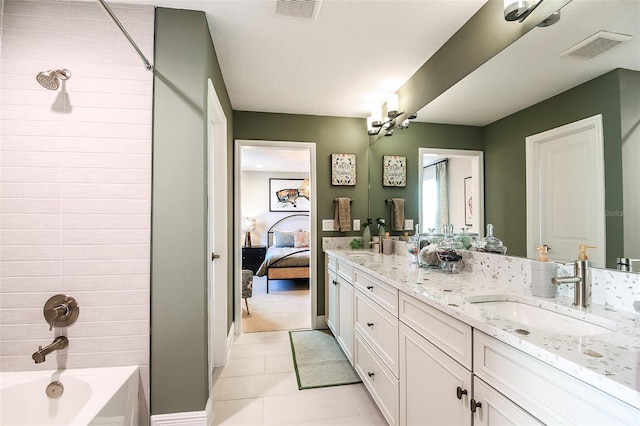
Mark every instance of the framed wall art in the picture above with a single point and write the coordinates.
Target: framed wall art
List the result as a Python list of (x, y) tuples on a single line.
[(394, 170), (343, 169), (285, 196)]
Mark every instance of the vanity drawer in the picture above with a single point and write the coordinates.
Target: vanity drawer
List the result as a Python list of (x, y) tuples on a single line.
[(449, 334), (345, 271), (382, 293), (380, 382), (549, 394), (379, 328)]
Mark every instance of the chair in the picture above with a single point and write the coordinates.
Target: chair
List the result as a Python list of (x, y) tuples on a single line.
[(247, 286)]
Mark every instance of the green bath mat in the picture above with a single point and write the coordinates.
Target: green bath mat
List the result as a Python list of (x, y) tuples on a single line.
[(319, 360)]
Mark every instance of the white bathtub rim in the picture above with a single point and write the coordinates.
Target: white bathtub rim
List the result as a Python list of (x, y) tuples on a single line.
[(116, 377)]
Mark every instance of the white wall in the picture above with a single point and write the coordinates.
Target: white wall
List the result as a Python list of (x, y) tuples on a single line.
[(75, 183), (255, 201), (459, 168)]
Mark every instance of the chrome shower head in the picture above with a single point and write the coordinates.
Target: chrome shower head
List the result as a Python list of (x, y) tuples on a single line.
[(51, 79)]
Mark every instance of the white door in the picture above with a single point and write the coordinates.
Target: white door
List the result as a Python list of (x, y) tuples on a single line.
[(434, 389), (219, 258), (565, 190), (497, 409)]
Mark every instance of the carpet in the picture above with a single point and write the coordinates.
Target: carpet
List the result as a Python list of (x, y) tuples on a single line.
[(286, 307), (319, 361)]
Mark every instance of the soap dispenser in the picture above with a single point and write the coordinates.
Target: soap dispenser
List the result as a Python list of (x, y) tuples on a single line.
[(542, 271), (583, 254)]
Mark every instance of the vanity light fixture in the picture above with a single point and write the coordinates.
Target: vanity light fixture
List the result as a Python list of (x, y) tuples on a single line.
[(518, 10), (375, 123)]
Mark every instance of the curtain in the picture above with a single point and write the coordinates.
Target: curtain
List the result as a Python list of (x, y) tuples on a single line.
[(442, 190)]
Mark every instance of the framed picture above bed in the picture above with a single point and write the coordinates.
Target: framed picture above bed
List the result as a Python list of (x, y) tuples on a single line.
[(285, 196)]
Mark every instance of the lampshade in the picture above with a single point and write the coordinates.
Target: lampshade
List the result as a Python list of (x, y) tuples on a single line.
[(304, 188), (248, 224), (515, 9)]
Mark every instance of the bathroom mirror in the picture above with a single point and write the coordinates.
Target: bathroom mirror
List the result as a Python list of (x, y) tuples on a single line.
[(524, 107)]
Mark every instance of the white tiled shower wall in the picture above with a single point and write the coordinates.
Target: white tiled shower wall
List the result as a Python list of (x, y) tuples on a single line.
[(75, 182)]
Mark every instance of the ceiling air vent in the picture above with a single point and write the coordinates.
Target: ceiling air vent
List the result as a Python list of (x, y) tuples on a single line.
[(305, 9), (596, 45)]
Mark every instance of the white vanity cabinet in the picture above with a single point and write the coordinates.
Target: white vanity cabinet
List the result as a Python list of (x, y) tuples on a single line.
[(434, 389), (551, 395), (423, 364), (496, 409), (435, 366), (339, 305), (376, 341)]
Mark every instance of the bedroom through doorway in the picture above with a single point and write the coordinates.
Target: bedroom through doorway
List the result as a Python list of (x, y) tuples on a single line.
[(274, 208)]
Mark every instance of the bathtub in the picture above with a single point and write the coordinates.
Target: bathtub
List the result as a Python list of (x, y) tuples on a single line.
[(90, 396)]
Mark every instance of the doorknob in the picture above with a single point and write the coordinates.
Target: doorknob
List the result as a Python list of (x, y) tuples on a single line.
[(215, 256)]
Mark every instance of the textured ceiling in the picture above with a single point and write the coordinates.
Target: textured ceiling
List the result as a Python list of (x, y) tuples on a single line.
[(344, 62)]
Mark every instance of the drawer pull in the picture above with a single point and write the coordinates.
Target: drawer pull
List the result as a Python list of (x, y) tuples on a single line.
[(370, 324), (370, 374), (460, 392), (475, 405), (369, 287), (335, 282)]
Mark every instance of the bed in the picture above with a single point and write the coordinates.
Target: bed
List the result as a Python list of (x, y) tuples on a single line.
[(287, 256)]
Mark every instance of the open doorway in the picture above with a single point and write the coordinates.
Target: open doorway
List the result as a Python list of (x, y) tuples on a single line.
[(275, 234)]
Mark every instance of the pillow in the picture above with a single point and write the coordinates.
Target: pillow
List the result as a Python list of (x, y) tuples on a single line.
[(284, 238), (301, 239)]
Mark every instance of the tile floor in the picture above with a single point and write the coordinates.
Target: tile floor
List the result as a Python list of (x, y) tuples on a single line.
[(258, 387)]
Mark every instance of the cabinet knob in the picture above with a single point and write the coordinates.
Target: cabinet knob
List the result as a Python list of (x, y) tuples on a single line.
[(370, 374), (335, 282), (460, 392), (369, 287), (475, 405), (370, 324)]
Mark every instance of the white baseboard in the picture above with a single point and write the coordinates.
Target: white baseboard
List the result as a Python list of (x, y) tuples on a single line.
[(193, 418), (321, 322)]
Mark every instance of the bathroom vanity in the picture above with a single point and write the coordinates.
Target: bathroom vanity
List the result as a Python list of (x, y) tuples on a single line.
[(476, 347)]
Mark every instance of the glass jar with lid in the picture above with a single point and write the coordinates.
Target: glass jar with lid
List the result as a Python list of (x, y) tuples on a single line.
[(449, 252), (491, 244), (428, 243), (469, 239)]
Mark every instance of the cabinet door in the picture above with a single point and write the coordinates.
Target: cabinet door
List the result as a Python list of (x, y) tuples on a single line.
[(345, 317), (332, 302), (496, 409), (429, 382)]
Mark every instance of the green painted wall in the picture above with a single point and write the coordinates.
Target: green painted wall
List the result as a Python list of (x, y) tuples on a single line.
[(331, 135), (505, 172), (407, 142), (184, 60)]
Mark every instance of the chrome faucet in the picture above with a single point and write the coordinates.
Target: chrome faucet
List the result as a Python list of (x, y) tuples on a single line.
[(59, 342), (625, 264), (581, 283)]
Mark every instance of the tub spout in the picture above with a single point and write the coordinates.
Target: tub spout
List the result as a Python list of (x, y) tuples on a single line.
[(59, 342)]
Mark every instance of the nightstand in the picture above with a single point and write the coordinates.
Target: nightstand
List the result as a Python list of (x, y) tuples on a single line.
[(252, 257)]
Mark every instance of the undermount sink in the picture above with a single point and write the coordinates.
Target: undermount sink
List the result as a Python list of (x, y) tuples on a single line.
[(538, 318)]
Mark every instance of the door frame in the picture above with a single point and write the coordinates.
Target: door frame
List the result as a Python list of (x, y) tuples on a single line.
[(237, 232), (477, 171), (533, 144), (217, 278)]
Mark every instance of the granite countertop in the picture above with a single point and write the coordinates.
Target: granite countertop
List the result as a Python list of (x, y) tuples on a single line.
[(609, 362)]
